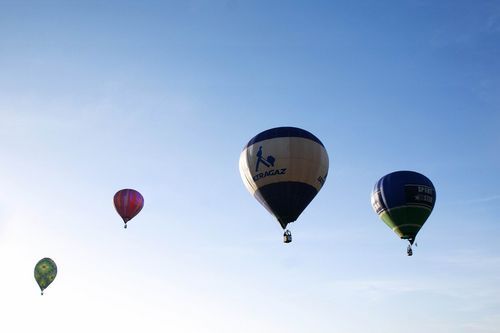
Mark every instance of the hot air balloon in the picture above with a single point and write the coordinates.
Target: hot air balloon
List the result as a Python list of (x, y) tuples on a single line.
[(45, 273), (284, 168), (404, 200), (128, 203)]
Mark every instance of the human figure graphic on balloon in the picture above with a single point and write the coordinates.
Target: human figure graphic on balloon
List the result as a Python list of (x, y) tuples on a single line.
[(268, 162)]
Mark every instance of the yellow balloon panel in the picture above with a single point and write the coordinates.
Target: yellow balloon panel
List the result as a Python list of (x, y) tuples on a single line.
[(284, 159)]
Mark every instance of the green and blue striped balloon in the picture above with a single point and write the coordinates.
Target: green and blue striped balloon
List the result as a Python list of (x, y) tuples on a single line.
[(404, 200)]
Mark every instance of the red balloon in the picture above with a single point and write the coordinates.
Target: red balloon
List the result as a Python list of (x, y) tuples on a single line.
[(128, 203)]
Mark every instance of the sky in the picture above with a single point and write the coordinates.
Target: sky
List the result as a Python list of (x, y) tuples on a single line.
[(161, 96)]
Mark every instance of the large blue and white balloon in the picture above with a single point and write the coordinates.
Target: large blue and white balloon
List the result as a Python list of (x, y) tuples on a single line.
[(284, 168)]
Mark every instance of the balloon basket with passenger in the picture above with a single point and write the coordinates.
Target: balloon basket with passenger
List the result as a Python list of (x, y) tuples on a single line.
[(409, 249), (287, 236)]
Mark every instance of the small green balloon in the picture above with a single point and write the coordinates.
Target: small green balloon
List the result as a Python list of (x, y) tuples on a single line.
[(45, 273)]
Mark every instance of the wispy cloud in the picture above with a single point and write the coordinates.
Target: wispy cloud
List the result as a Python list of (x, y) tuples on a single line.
[(488, 323), (470, 260), (477, 286), (375, 290), (476, 200), (493, 22)]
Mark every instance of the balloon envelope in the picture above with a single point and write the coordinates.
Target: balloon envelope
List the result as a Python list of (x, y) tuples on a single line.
[(128, 203), (404, 200), (45, 273), (284, 168)]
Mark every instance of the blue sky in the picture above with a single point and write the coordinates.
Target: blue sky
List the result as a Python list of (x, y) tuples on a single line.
[(162, 96)]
